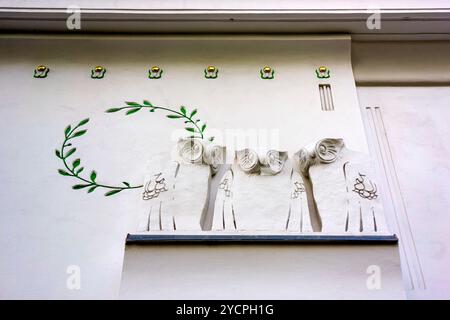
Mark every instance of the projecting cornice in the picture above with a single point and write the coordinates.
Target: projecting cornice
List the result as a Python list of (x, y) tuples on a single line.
[(396, 24)]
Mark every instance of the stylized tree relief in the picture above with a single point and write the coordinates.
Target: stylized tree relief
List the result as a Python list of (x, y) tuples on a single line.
[(154, 187), (365, 189)]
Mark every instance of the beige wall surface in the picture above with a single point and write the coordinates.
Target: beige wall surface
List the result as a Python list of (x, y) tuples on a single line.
[(55, 226), (296, 271), (412, 143), (404, 93), (45, 226)]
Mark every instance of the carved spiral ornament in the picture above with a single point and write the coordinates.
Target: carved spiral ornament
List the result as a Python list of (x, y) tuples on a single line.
[(276, 160), (248, 160), (190, 150), (328, 149), (214, 155)]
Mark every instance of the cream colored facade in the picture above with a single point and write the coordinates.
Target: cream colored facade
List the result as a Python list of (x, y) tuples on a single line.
[(394, 82)]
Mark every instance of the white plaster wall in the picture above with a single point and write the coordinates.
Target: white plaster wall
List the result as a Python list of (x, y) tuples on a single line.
[(266, 272), (46, 226), (416, 122)]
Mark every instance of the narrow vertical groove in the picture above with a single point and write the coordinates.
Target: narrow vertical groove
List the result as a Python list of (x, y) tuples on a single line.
[(301, 214), (383, 162), (149, 216), (346, 222), (396, 180), (234, 217), (160, 215), (331, 98), (289, 217), (327, 98), (223, 215), (361, 226), (322, 98), (374, 220)]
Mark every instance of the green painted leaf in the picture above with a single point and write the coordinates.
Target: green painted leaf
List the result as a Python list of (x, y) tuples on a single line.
[(93, 176), (152, 110), (83, 122), (173, 116), (147, 103), (112, 192), (67, 130), (63, 172), (126, 183), (183, 110), (203, 127), (70, 152), (133, 104), (211, 138), (76, 163), (79, 133), (193, 113), (133, 111), (80, 186), (92, 189), (58, 154), (113, 110), (79, 171), (190, 129), (198, 120)]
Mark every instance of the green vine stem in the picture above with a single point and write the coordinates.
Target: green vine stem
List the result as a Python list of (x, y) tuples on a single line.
[(192, 125), (75, 170)]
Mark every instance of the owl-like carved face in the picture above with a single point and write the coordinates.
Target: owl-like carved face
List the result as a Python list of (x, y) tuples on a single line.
[(270, 163), (324, 151), (198, 151)]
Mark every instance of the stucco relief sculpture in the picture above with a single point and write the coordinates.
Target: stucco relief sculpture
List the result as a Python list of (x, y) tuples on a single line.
[(260, 192), (178, 192), (326, 188), (344, 192)]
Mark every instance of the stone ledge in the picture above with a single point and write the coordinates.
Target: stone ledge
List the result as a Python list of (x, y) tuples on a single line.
[(152, 238)]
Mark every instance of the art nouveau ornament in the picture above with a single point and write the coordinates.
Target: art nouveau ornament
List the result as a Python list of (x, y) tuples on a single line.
[(343, 187), (269, 163), (41, 71), (322, 72), (200, 151), (257, 194), (155, 72), (267, 73), (211, 72), (98, 72), (177, 191)]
